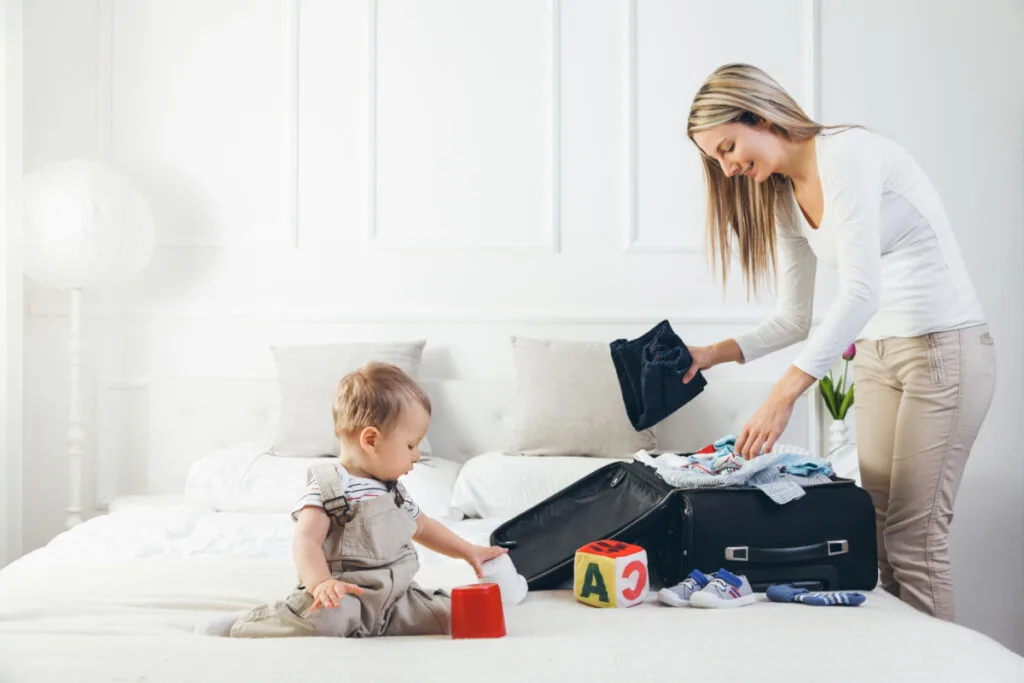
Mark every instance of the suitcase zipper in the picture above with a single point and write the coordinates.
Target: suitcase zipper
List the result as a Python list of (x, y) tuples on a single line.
[(687, 506)]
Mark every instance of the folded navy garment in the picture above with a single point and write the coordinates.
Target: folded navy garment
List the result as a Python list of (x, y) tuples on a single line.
[(650, 370)]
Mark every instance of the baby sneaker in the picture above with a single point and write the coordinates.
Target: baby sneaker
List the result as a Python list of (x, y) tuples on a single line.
[(679, 594), (724, 590)]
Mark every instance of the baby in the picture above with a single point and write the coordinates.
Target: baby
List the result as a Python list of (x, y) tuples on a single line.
[(355, 523)]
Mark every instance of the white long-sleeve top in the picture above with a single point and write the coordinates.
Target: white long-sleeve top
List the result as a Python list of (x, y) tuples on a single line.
[(886, 232)]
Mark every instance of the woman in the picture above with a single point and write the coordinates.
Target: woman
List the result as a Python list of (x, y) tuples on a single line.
[(784, 191)]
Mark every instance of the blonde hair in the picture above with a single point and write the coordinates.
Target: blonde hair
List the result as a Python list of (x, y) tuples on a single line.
[(741, 212), (374, 396)]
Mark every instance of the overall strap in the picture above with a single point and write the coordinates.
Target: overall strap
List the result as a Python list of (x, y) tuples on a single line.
[(393, 487), (335, 504)]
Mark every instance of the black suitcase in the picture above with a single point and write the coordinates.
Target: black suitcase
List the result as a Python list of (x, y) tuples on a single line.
[(822, 541)]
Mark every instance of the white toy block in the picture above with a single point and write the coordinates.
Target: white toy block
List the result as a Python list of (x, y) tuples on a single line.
[(611, 574)]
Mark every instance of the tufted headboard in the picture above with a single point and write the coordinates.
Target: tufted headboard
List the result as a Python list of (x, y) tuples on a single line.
[(191, 416)]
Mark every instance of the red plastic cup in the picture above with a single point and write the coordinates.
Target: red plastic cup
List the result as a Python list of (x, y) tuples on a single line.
[(477, 611)]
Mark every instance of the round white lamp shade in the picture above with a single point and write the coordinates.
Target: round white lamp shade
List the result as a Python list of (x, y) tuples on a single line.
[(85, 225)]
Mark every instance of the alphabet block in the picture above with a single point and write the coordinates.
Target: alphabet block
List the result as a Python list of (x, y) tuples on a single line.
[(611, 574)]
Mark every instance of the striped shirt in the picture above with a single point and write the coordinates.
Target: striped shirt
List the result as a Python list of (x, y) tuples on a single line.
[(357, 489)]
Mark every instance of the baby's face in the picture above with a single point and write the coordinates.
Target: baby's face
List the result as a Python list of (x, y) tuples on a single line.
[(396, 452)]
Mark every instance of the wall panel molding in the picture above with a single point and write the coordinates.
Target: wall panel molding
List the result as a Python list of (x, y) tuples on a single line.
[(291, 88), (553, 241), (811, 34), (289, 232), (105, 80), (623, 316), (121, 439), (812, 57)]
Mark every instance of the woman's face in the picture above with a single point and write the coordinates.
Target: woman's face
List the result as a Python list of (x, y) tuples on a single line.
[(740, 149)]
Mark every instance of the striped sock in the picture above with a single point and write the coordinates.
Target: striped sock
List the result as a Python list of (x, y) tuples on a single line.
[(828, 599), (785, 593)]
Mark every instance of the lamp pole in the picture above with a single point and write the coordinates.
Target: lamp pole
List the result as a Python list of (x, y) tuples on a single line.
[(85, 225)]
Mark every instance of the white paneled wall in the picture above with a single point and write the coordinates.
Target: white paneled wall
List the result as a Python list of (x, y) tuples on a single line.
[(667, 68), (196, 102), (461, 170), (481, 80)]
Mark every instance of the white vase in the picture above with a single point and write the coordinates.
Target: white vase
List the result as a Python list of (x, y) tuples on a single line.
[(838, 438)]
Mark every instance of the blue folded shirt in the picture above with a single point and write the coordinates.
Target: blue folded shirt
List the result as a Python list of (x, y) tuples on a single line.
[(650, 371)]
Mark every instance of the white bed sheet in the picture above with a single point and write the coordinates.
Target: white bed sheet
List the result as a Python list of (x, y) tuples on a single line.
[(116, 598)]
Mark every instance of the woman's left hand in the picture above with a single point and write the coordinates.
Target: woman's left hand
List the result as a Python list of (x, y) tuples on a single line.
[(764, 428)]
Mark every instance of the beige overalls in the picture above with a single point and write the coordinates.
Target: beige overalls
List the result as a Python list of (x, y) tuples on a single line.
[(369, 545)]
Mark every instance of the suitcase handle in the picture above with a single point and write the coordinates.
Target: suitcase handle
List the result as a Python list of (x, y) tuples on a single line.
[(803, 553)]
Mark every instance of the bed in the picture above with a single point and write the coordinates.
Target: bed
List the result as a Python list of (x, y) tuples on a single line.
[(116, 598)]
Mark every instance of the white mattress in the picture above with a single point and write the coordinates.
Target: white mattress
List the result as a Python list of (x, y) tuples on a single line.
[(115, 599)]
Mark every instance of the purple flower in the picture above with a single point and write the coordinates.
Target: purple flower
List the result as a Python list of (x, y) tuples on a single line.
[(850, 352)]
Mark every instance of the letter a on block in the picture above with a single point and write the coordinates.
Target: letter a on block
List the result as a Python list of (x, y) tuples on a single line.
[(593, 583), (595, 580)]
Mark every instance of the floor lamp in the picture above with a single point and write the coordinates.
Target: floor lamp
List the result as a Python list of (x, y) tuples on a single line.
[(85, 225)]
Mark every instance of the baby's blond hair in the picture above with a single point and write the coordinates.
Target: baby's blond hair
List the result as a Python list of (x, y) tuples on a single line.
[(374, 396)]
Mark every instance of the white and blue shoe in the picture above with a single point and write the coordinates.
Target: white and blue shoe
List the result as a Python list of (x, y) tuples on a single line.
[(724, 590), (679, 594)]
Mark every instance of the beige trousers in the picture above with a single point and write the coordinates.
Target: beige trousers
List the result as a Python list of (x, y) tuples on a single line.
[(920, 403)]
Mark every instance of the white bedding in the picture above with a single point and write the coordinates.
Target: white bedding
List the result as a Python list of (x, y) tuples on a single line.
[(114, 600)]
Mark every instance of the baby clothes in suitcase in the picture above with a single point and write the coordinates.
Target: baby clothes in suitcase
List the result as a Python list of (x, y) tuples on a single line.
[(822, 541)]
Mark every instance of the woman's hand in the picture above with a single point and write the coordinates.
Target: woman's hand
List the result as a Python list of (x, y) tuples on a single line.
[(766, 426), (331, 592), (705, 357)]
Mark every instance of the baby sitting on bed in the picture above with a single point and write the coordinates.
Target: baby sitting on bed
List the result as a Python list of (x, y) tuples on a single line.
[(355, 524)]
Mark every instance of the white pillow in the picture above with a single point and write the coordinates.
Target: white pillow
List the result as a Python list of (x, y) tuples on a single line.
[(499, 484), (431, 484), (568, 401), (308, 377), (246, 477)]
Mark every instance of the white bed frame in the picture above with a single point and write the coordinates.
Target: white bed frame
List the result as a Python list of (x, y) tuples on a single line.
[(176, 420)]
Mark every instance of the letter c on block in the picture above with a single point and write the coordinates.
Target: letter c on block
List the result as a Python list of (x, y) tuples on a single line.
[(635, 567)]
